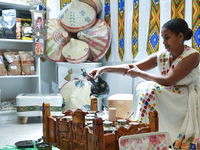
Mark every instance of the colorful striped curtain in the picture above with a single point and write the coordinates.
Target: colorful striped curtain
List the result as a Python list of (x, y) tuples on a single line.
[(135, 28), (196, 24), (107, 19), (154, 27), (121, 8), (63, 3), (178, 9)]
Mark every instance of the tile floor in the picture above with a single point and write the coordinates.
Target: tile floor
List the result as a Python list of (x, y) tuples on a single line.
[(13, 131)]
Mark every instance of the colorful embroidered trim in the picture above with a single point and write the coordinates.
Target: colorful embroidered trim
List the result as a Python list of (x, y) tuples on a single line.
[(178, 9), (107, 17), (165, 69), (154, 27), (63, 3), (135, 28), (147, 101), (196, 24), (121, 8), (37, 108), (176, 88)]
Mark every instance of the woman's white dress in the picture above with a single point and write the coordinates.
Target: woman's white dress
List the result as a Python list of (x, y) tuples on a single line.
[(177, 105)]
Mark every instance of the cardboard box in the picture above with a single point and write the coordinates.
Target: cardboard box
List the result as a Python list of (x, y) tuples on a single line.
[(122, 103)]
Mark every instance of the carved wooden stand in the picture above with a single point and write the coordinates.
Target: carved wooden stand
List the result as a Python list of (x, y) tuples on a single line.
[(74, 135)]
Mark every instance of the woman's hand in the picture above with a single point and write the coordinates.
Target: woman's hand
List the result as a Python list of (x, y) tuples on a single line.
[(96, 72), (133, 72)]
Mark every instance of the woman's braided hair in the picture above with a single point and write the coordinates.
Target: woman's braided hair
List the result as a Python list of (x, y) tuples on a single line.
[(177, 26)]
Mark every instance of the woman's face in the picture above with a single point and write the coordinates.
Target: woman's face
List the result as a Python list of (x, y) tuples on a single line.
[(171, 40)]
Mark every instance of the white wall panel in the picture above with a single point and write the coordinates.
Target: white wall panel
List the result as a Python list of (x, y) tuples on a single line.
[(53, 9)]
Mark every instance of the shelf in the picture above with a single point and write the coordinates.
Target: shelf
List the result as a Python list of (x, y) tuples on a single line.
[(25, 45), (15, 5), (20, 76), (4, 112), (12, 85), (15, 41)]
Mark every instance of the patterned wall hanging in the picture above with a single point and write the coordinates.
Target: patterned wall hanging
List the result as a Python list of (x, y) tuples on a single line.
[(63, 3), (107, 17), (135, 28), (196, 24), (178, 9), (121, 8), (154, 27)]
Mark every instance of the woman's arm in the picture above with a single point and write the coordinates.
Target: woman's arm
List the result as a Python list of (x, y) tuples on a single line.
[(146, 64), (175, 75), (119, 69)]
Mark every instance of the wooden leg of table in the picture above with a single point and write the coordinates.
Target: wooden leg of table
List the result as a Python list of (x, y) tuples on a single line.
[(25, 119)]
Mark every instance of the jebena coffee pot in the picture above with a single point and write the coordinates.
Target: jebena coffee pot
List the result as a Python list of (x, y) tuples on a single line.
[(99, 87)]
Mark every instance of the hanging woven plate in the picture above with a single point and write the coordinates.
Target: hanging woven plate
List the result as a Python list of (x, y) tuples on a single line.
[(96, 4), (77, 16), (98, 38), (76, 51), (57, 38), (76, 94)]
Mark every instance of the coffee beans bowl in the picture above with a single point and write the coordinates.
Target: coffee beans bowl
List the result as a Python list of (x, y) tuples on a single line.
[(24, 144), (43, 145)]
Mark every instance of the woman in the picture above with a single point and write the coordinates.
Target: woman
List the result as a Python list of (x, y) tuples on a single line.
[(174, 93)]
